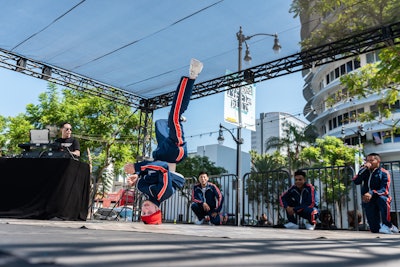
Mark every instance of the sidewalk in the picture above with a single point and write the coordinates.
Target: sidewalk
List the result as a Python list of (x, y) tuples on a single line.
[(108, 243)]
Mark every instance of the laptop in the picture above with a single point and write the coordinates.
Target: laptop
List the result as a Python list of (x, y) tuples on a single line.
[(40, 136)]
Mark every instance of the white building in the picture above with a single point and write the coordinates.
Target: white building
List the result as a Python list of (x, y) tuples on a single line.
[(225, 157), (334, 112), (271, 124)]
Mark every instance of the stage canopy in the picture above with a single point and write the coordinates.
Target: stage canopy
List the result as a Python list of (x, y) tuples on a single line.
[(142, 46)]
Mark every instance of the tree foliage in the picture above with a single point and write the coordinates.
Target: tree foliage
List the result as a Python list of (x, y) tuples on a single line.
[(292, 142), (192, 166), (329, 152), (107, 131), (267, 162), (3, 139), (382, 79), (333, 20), (265, 183), (329, 21)]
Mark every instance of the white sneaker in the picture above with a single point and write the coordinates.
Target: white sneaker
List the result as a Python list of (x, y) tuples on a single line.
[(384, 229), (310, 226), (198, 222), (195, 68), (394, 229), (291, 225)]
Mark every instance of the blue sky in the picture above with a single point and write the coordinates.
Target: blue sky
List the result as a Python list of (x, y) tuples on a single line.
[(283, 94)]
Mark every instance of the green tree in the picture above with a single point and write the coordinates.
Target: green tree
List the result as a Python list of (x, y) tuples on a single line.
[(266, 182), (330, 152), (292, 142), (381, 78), (342, 18), (107, 131), (3, 139), (325, 20), (17, 132), (190, 168)]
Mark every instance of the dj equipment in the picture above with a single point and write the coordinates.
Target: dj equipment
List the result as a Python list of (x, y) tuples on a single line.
[(50, 150)]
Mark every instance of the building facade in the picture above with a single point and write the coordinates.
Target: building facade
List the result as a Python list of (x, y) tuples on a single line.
[(334, 112), (225, 157), (271, 124)]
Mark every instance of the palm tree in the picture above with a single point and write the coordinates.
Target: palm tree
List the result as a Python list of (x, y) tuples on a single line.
[(292, 142), (265, 182)]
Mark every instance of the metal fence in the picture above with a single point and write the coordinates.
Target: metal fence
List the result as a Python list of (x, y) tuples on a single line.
[(260, 195), (177, 208)]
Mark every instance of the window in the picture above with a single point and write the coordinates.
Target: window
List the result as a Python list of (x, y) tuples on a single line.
[(373, 57), (349, 66), (337, 73), (387, 137), (377, 138), (396, 106), (374, 110), (360, 111), (396, 137), (343, 69), (345, 118), (357, 64), (370, 58), (353, 116), (340, 120), (332, 75)]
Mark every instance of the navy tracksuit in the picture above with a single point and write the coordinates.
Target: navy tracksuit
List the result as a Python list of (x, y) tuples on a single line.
[(304, 201), (156, 181), (377, 183), (171, 145), (210, 195)]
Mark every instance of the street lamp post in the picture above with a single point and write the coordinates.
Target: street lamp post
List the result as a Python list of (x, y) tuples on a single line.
[(239, 142), (360, 132), (238, 139), (262, 116)]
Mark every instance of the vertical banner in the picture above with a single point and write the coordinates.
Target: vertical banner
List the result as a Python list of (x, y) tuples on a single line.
[(248, 109)]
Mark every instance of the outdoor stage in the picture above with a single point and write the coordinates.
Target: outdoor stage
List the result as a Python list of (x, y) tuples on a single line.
[(112, 243), (44, 188)]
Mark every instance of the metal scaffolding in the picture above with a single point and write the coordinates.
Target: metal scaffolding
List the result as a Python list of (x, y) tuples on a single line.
[(366, 41)]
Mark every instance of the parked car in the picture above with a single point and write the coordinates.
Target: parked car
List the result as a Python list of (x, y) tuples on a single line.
[(114, 214)]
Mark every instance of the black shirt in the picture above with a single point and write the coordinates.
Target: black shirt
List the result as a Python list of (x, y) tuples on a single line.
[(70, 144)]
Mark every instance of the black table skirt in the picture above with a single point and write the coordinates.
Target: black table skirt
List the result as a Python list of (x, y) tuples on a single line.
[(44, 188)]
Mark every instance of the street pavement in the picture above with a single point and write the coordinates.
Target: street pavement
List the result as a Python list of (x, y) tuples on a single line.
[(30, 243)]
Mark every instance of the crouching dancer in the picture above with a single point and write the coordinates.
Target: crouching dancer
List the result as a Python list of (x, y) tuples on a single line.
[(301, 200), (207, 201)]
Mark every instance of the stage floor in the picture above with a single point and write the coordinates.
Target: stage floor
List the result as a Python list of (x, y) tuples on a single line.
[(116, 243)]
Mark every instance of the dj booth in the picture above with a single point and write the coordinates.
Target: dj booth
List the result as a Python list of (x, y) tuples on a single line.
[(44, 188)]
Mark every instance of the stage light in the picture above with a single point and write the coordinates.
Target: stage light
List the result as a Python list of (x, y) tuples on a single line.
[(21, 64), (46, 73)]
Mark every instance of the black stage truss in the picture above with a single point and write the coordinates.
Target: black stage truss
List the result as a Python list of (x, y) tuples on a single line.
[(366, 41)]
